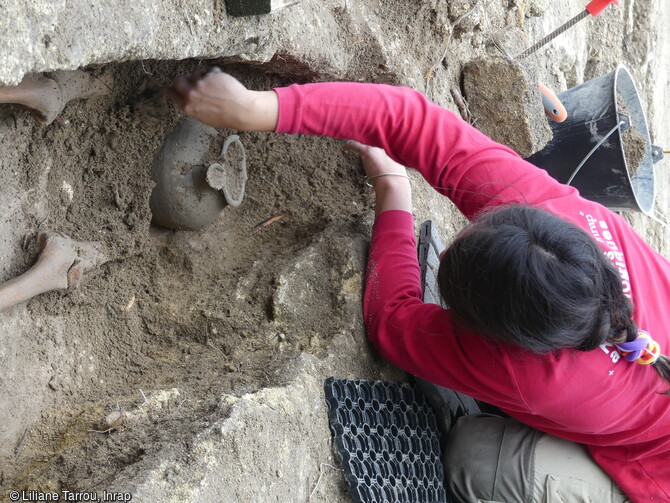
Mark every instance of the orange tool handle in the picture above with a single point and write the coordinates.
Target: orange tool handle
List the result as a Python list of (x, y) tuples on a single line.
[(552, 105), (597, 6)]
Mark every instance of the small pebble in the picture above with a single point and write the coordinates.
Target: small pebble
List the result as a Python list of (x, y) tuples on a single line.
[(117, 417), (68, 190), (9, 122), (113, 140)]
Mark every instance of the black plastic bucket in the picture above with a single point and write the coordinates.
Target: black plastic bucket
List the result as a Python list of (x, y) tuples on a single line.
[(587, 150)]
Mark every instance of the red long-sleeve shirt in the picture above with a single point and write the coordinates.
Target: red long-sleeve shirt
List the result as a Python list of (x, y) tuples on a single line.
[(595, 398)]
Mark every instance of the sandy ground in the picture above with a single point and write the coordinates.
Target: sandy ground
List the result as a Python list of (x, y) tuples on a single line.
[(176, 320)]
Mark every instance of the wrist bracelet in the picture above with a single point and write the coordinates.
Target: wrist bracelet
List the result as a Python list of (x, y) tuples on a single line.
[(368, 178)]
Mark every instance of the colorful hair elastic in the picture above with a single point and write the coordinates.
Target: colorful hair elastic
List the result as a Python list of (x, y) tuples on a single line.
[(643, 350)]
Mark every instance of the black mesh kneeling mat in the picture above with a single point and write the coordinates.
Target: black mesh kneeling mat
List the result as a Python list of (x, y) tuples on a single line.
[(387, 438)]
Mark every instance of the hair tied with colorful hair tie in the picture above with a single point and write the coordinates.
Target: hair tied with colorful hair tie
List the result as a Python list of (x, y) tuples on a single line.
[(643, 350)]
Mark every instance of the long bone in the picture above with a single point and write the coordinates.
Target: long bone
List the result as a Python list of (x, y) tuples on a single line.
[(60, 266), (46, 97)]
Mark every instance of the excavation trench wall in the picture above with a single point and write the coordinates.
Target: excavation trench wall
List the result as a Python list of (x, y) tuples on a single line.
[(214, 344)]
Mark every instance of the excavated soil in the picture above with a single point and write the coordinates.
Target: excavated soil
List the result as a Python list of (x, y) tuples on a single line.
[(174, 320), (634, 143), (493, 107), (188, 309), (634, 148)]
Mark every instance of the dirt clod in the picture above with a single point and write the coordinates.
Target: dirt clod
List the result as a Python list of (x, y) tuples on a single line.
[(150, 105), (505, 104), (634, 142)]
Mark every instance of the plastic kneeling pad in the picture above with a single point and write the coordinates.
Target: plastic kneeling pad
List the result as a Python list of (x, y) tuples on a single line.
[(388, 441)]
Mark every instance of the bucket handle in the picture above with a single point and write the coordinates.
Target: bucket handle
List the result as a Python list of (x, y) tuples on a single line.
[(581, 164)]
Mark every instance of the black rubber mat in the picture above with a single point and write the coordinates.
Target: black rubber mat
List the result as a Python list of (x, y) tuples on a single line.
[(430, 247), (388, 441)]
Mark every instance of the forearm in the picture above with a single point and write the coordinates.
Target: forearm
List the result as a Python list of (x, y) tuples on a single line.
[(409, 333), (413, 131), (265, 105), (393, 270), (456, 159), (392, 190), (392, 193), (392, 298)]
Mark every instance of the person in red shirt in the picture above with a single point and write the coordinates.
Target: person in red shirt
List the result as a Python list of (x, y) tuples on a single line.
[(556, 306)]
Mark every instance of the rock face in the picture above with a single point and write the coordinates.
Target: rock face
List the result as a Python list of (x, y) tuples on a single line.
[(329, 271), (506, 105), (306, 39), (213, 345), (41, 36), (269, 447)]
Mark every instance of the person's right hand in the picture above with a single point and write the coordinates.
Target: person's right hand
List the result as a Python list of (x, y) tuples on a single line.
[(219, 100)]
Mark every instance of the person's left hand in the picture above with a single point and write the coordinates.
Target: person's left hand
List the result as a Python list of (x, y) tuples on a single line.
[(375, 160), (389, 179)]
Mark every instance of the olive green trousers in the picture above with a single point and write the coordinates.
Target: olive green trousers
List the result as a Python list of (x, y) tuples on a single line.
[(489, 459)]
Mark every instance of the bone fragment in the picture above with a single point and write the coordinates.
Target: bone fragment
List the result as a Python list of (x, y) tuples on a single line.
[(43, 96), (77, 84), (60, 266), (46, 97)]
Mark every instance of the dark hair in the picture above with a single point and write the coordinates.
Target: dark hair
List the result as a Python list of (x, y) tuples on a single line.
[(523, 275)]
